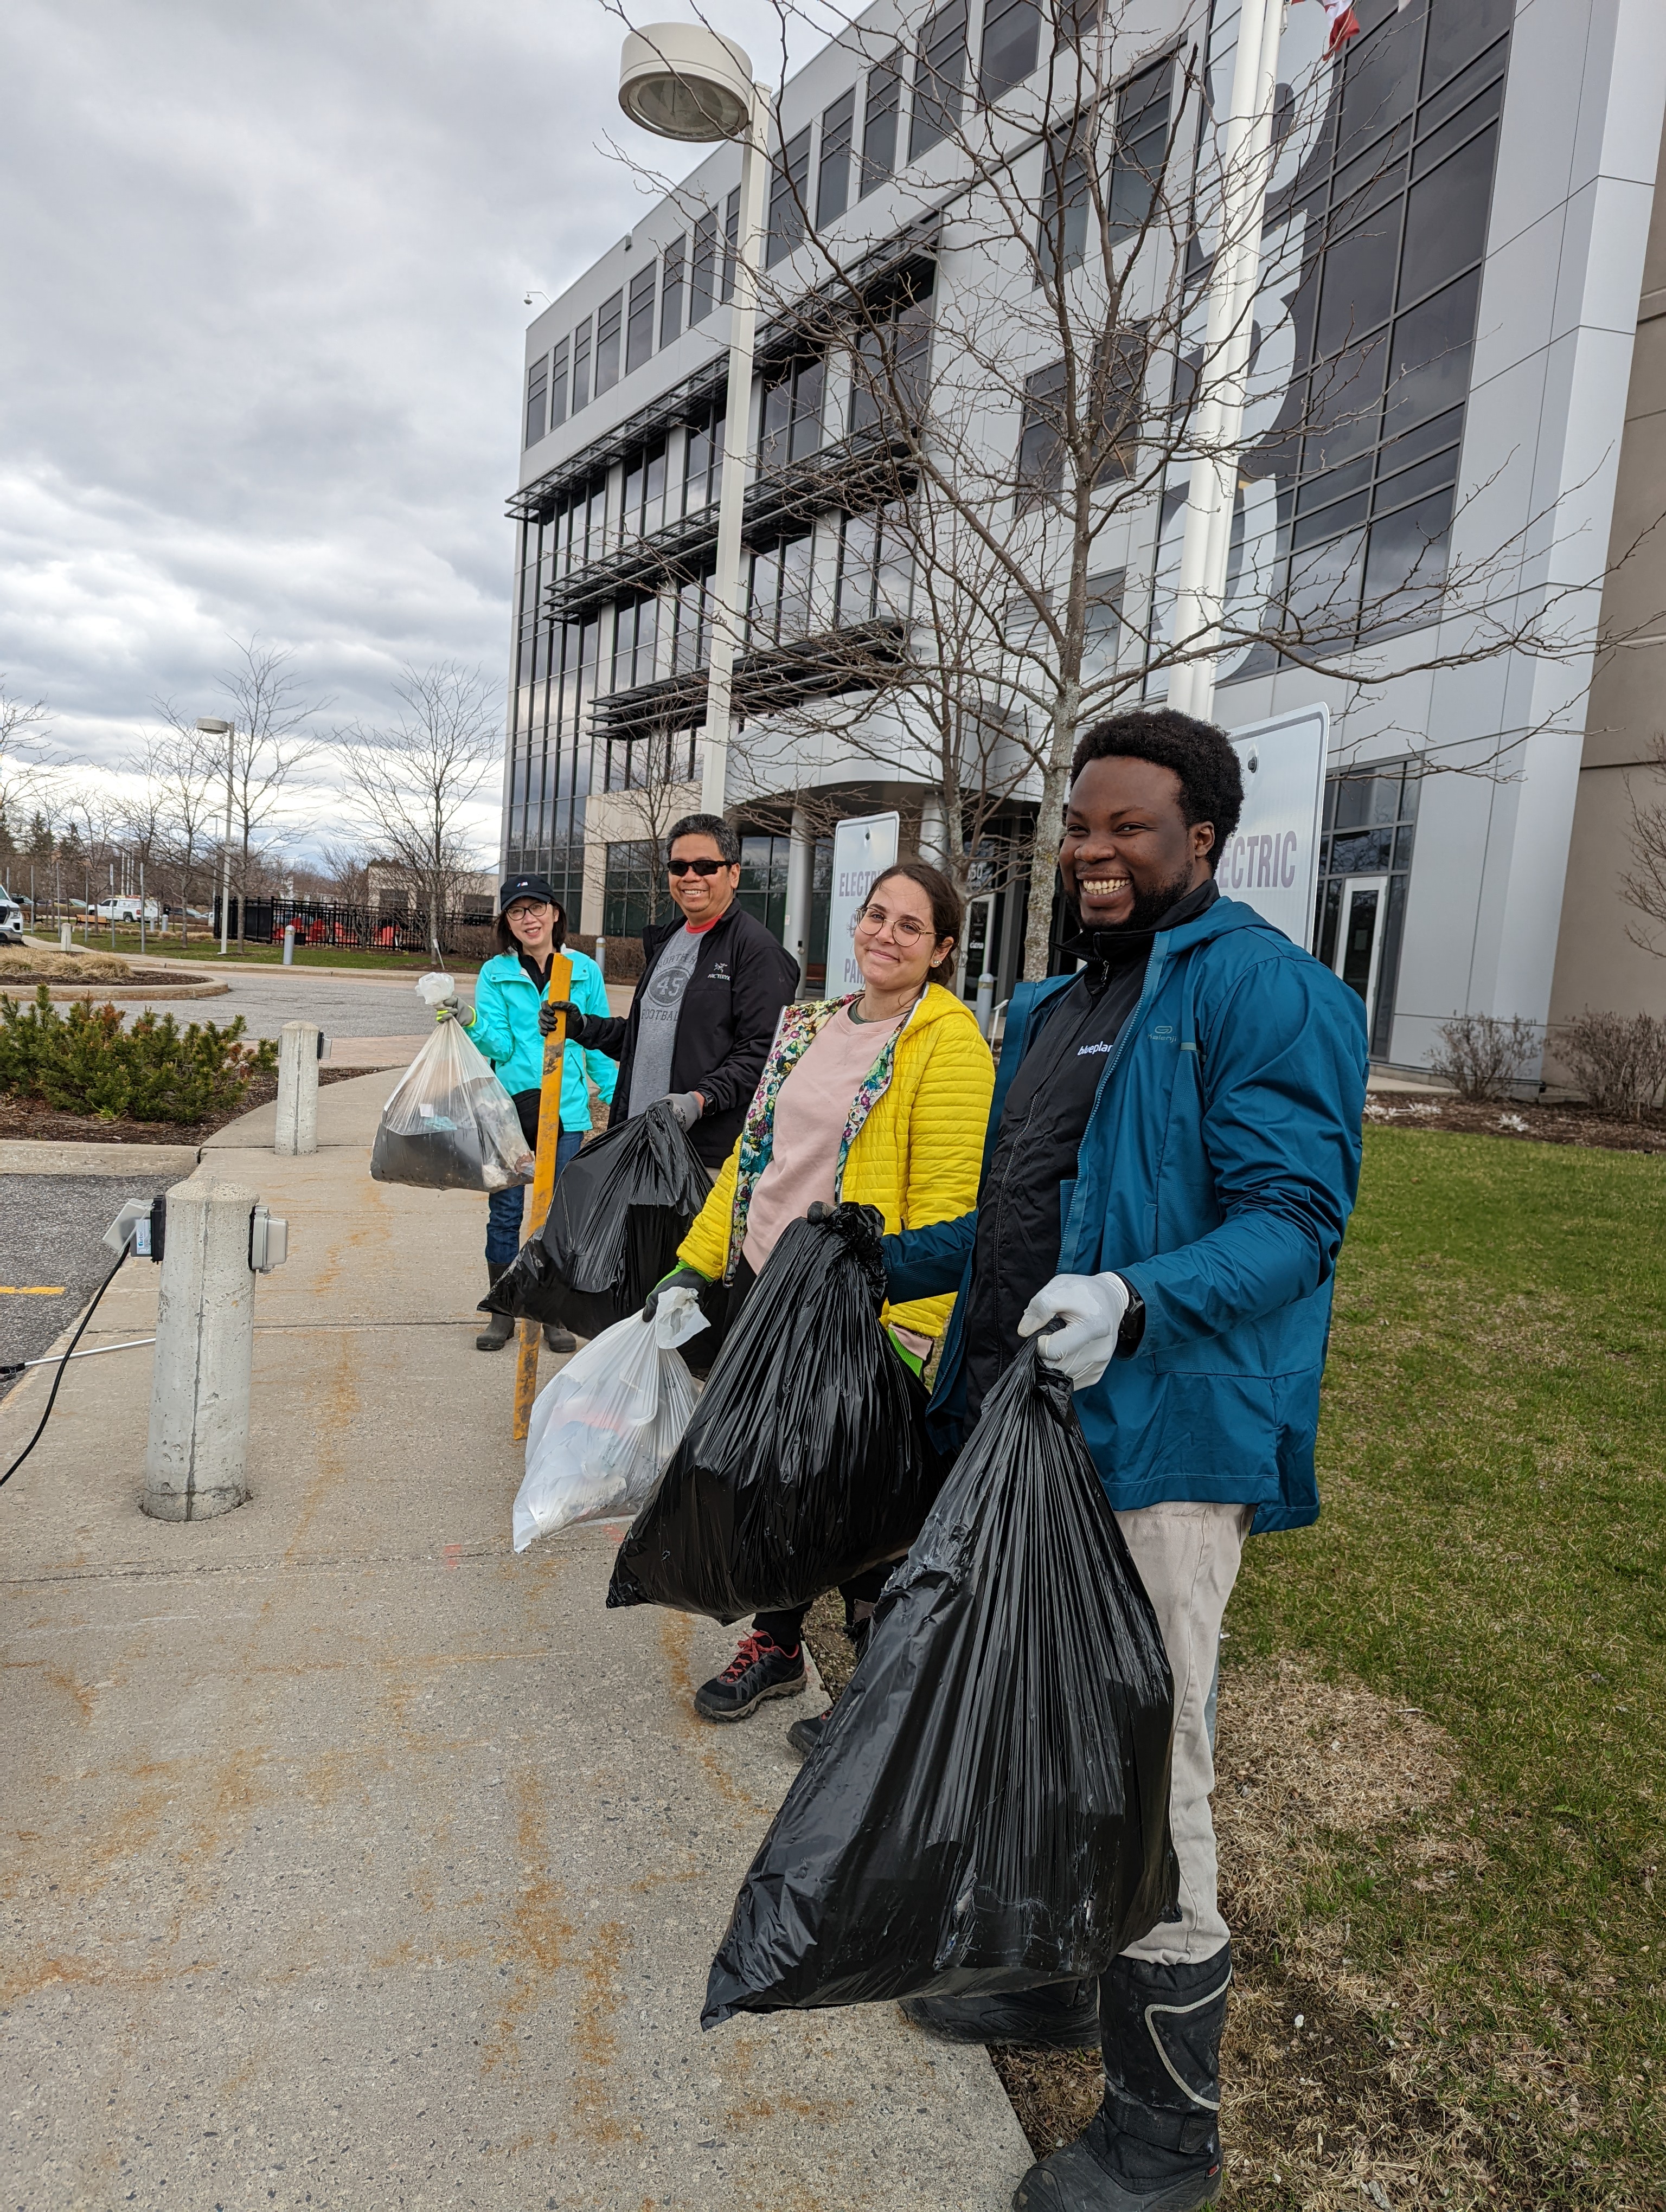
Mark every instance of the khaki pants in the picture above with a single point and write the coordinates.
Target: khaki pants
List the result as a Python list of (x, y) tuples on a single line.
[(1187, 1557)]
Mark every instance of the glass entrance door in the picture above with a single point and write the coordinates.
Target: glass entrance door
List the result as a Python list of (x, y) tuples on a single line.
[(1360, 936)]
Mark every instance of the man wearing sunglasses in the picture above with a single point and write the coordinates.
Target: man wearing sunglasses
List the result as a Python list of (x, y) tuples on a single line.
[(712, 991)]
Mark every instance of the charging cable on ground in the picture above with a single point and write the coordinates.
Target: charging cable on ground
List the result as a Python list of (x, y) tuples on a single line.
[(64, 1362)]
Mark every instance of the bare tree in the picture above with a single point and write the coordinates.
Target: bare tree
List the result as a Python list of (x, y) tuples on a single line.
[(1021, 373), (411, 782), (24, 762), (185, 766), (269, 711), (1643, 886)]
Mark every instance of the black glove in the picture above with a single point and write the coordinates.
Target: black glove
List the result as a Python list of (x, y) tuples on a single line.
[(551, 1011), (680, 1279)]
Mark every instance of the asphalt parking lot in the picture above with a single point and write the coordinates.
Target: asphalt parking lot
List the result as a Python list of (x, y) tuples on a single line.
[(51, 1229)]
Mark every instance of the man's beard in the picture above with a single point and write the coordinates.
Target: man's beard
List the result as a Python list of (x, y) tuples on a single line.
[(1149, 905)]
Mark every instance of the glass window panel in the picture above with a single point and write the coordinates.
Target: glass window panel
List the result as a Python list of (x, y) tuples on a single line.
[(558, 386), (1142, 139), (653, 489), (1334, 484), (702, 283), (581, 367), (1446, 217), (1012, 42), (789, 185), (608, 318), (809, 380), (1041, 438), (639, 320), (1357, 289), (1427, 438), (671, 293), (858, 545), (893, 572), (537, 385), (1381, 78), (1461, 89), (795, 572), (1429, 359), (1439, 143), (1323, 596), (1434, 474), (1361, 926), (1310, 528), (1330, 913), (1103, 622), (1457, 33), (1343, 404), (1065, 197), (731, 233), (833, 170), (884, 93), (1369, 183), (1407, 560), (938, 73)]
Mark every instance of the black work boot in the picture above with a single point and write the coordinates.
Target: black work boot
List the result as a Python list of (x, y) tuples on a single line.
[(804, 1735), (499, 1326), (1154, 2144), (558, 1339), (1057, 2016), (759, 1670)]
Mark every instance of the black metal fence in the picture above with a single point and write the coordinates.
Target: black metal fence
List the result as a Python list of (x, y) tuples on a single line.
[(327, 922)]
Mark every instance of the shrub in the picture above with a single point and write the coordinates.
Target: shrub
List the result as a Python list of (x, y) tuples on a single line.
[(84, 1061), (1618, 1060), (1481, 1055)]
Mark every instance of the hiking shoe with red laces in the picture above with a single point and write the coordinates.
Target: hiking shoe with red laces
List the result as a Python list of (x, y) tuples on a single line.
[(759, 1670)]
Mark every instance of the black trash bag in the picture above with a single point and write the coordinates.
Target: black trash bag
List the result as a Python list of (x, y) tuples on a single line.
[(620, 1210), (987, 1806), (807, 1460)]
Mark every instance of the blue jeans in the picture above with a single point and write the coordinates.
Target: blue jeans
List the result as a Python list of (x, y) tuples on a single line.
[(505, 1208)]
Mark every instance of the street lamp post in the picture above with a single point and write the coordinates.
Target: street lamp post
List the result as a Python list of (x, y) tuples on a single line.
[(1217, 424), (212, 727), (682, 81)]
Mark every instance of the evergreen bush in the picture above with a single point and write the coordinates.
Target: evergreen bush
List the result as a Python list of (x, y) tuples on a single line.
[(84, 1061)]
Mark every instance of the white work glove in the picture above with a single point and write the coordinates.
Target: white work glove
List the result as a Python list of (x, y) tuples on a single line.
[(677, 1316), (1091, 1308)]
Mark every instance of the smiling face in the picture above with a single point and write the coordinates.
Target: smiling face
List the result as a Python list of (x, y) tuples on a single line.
[(702, 898), (1128, 852), (893, 944), (531, 920)]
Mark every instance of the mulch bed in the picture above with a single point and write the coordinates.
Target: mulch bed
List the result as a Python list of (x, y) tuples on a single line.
[(1567, 1123), (143, 979), (30, 1118)]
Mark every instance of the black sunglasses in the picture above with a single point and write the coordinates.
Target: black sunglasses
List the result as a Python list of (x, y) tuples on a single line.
[(699, 867)]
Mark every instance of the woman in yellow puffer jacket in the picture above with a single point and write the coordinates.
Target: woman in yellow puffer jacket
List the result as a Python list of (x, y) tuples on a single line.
[(883, 1099)]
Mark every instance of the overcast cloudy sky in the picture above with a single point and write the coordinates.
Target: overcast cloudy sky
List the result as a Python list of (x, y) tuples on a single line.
[(264, 269)]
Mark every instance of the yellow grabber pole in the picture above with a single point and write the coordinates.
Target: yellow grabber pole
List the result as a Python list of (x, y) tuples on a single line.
[(544, 1181)]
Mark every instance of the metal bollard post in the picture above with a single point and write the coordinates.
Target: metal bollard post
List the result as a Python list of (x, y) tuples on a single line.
[(288, 945), (197, 1458), (986, 1004), (297, 1088), (66, 937)]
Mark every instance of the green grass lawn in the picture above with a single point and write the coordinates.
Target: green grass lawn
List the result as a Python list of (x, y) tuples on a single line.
[(307, 956), (1493, 1461)]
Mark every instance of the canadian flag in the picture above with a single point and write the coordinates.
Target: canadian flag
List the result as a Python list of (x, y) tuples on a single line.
[(1344, 23)]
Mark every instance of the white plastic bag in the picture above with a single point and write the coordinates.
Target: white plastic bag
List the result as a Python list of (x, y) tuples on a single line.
[(450, 1125), (602, 1430)]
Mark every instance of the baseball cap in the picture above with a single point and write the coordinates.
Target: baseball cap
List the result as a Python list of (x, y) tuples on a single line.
[(528, 887)]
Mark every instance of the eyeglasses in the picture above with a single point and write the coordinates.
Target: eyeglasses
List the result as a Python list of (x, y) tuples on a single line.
[(695, 867), (903, 927)]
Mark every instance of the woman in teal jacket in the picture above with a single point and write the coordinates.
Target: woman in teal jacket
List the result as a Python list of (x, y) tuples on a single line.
[(531, 929)]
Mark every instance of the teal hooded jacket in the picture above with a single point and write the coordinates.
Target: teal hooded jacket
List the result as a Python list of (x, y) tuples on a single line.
[(505, 1028), (1216, 1175)]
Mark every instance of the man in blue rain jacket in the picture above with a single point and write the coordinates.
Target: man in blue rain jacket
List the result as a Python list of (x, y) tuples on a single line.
[(1173, 1151)]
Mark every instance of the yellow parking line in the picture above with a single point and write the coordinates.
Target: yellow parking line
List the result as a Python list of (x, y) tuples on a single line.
[(31, 1290)]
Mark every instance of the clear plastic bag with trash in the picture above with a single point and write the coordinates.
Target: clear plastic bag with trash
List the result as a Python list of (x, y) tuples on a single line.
[(449, 1124), (603, 1430)]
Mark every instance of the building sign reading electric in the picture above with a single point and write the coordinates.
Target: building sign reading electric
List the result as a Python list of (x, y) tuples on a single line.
[(1271, 859), (862, 849)]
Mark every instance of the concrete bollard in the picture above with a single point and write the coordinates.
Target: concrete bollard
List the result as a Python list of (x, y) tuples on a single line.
[(196, 1460), (297, 1088), (288, 945)]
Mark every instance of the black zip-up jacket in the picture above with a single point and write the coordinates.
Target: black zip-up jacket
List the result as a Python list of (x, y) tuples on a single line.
[(742, 979)]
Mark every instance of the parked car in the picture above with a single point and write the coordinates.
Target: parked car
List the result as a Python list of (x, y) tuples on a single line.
[(127, 910), (11, 919)]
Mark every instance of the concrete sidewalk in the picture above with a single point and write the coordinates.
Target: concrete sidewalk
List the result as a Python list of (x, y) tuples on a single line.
[(354, 1863)]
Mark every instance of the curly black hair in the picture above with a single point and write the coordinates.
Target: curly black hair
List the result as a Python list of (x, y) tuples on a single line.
[(1211, 781)]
